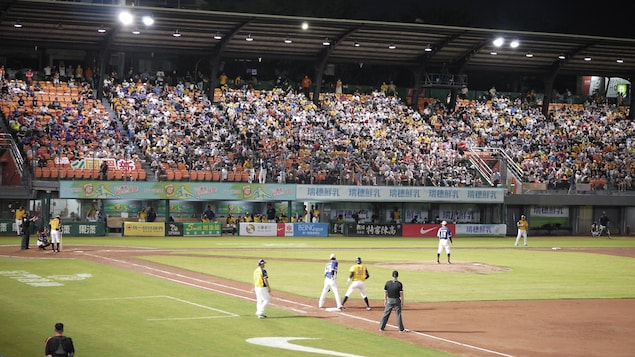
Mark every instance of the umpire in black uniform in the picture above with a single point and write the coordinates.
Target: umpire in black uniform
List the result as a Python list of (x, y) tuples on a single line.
[(393, 299)]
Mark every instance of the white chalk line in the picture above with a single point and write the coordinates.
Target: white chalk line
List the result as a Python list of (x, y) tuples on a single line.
[(225, 313)]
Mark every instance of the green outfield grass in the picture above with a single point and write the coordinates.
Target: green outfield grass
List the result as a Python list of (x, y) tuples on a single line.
[(113, 312)]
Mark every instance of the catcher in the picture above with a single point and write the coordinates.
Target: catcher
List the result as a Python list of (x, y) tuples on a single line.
[(43, 239)]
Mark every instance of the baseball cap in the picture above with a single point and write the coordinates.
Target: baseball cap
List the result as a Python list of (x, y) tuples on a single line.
[(57, 216), (261, 262), (332, 256), (358, 260), (444, 223)]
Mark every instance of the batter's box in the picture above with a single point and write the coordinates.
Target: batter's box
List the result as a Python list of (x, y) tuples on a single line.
[(163, 308)]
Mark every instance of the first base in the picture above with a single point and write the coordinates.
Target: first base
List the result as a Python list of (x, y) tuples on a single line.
[(332, 309)]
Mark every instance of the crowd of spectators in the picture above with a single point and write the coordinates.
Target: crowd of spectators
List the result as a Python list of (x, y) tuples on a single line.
[(61, 121), (280, 136), (361, 139), (590, 144)]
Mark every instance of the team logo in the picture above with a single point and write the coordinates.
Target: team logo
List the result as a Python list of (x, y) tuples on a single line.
[(250, 228)]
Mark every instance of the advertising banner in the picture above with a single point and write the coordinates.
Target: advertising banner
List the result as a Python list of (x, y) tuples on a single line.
[(174, 229), (265, 229), (311, 229), (76, 229), (374, 230), (193, 229), (137, 190), (85, 229), (489, 230), (400, 194), (423, 230), (144, 229)]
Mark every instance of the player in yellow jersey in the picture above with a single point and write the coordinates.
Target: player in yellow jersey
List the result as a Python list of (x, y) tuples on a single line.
[(262, 289), (358, 276), (56, 235), (523, 226), (19, 215)]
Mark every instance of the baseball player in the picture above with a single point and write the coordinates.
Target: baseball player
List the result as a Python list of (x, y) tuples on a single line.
[(330, 282), (522, 225), (445, 239), (358, 275), (56, 234), (262, 289), (19, 216)]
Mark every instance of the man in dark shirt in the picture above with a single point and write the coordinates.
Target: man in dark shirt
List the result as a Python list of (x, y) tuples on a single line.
[(393, 299), (271, 213), (59, 345), (604, 225)]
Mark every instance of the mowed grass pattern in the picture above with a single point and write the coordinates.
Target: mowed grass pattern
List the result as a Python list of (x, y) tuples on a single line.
[(114, 312)]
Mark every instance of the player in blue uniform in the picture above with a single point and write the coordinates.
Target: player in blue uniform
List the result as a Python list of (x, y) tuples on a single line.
[(330, 282), (445, 239)]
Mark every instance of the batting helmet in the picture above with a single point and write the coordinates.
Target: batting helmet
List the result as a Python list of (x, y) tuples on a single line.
[(358, 260), (261, 262), (444, 223)]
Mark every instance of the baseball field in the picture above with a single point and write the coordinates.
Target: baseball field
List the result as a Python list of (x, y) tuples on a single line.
[(560, 296)]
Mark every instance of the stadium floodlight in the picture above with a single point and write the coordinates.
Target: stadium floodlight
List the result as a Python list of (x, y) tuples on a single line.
[(147, 20), (125, 17)]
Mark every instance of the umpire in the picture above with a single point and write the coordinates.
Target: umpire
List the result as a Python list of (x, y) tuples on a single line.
[(393, 299)]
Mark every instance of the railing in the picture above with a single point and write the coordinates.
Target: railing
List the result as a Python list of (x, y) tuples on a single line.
[(444, 80), (25, 174), (478, 156)]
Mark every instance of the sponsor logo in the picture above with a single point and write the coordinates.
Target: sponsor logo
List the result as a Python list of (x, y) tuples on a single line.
[(425, 231)]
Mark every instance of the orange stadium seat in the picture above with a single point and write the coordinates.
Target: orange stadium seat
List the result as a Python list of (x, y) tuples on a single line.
[(169, 174)]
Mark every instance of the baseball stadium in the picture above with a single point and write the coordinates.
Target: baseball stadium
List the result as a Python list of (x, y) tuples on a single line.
[(176, 177)]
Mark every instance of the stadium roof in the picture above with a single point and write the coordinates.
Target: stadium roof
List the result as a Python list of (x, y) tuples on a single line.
[(74, 25)]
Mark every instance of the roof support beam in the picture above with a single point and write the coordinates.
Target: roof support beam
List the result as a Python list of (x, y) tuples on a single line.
[(319, 69), (216, 56)]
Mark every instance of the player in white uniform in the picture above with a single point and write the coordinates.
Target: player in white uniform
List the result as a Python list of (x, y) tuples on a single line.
[(445, 239), (330, 282)]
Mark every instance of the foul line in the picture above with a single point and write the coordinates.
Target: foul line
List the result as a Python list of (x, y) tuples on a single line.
[(434, 337), (226, 313), (284, 300)]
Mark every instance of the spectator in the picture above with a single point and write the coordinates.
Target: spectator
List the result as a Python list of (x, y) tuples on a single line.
[(152, 215)]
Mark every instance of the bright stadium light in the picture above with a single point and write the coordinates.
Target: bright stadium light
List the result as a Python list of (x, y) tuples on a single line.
[(126, 17)]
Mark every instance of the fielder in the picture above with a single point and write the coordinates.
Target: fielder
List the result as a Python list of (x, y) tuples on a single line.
[(522, 225), (358, 275), (262, 289), (445, 239), (330, 282)]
